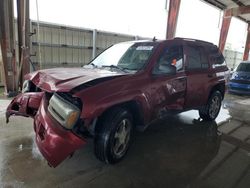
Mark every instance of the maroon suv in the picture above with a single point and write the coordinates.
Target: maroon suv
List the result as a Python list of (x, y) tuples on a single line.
[(127, 86)]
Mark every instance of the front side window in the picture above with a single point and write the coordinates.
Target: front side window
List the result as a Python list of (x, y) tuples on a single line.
[(127, 56), (171, 56)]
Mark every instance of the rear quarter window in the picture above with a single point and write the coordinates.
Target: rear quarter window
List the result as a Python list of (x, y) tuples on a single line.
[(197, 58), (216, 57)]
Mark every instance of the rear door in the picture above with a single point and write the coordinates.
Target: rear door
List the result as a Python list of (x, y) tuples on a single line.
[(168, 89), (199, 75)]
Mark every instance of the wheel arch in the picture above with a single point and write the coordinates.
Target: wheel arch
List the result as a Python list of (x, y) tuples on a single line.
[(218, 87), (133, 106)]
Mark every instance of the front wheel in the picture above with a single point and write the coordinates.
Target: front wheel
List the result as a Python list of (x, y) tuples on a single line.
[(113, 135), (211, 110)]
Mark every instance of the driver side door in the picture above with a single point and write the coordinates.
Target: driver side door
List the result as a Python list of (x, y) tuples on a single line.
[(168, 86)]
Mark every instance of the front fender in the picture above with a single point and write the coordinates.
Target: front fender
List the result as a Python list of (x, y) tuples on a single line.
[(119, 98)]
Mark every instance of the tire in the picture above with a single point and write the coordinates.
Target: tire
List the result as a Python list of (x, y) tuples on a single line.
[(211, 110), (113, 135)]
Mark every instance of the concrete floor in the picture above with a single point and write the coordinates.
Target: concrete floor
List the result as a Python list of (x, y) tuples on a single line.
[(179, 151)]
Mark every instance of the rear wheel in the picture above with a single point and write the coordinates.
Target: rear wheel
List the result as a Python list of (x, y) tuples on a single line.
[(211, 110), (113, 135)]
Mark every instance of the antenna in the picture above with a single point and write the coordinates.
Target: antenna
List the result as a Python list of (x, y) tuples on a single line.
[(154, 39)]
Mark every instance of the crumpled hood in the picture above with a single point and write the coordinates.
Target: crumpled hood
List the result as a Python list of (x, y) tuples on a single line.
[(65, 79), (241, 76)]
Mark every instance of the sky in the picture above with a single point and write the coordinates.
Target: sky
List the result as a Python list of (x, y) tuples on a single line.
[(142, 18)]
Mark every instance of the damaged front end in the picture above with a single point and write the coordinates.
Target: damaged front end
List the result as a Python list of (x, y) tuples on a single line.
[(25, 104), (56, 118)]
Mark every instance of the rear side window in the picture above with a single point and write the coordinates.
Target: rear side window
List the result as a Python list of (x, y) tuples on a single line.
[(216, 57), (196, 57)]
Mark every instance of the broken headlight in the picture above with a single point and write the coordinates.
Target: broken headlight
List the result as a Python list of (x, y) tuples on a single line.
[(66, 113), (26, 86)]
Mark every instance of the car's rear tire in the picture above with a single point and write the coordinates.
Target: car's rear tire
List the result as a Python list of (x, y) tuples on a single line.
[(113, 135), (211, 110)]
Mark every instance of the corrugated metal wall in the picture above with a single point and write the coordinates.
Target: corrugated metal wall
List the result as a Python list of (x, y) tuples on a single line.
[(62, 46), (1, 69)]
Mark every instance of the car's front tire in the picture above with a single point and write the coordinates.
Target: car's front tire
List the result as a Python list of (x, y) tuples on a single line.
[(211, 110), (113, 135)]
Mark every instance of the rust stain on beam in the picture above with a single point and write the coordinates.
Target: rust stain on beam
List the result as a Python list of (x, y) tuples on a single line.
[(174, 6), (247, 45), (224, 31)]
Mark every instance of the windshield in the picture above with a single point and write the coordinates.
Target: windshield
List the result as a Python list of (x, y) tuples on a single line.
[(125, 56), (244, 67)]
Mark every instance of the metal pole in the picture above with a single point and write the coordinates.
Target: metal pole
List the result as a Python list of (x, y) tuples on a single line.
[(174, 6), (38, 36), (7, 42), (94, 43), (247, 45), (224, 31), (23, 26)]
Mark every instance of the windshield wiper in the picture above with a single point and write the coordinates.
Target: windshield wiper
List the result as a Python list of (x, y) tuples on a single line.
[(116, 67), (94, 65)]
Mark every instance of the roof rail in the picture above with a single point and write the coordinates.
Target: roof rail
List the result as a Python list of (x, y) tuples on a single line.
[(190, 39)]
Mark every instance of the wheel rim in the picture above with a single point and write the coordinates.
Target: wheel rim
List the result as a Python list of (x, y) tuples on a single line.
[(214, 106), (122, 137)]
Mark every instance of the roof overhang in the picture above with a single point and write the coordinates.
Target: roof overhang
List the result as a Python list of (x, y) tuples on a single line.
[(237, 8)]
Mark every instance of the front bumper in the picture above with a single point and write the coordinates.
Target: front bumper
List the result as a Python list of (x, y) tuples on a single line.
[(239, 88), (54, 142)]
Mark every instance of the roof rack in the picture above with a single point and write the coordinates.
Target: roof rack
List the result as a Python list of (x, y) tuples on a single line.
[(194, 40)]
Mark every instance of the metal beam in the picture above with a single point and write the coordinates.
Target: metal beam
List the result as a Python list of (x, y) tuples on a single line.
[(247, 45), (174, 6), (238, 2), (23, 27), (237, 11), (94, 43), (224, 31), (7, 42), (216, 3)]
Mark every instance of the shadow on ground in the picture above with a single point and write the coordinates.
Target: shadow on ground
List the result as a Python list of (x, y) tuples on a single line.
[(169, 153)]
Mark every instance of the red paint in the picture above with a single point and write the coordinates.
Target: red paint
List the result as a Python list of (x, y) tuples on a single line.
[(24, 103), (154, 94), (53, 141)]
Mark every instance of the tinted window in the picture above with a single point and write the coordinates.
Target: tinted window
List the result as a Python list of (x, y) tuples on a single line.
[(171, 56), (196, 57), (244, 67), (215, 56)]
